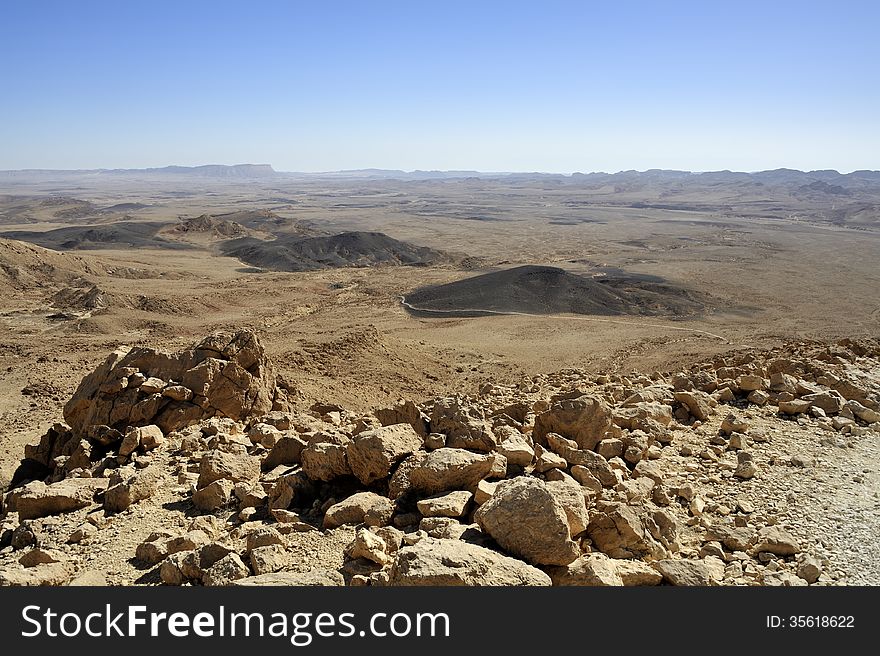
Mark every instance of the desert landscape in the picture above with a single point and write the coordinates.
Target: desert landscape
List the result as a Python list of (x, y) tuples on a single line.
[(228, 374)]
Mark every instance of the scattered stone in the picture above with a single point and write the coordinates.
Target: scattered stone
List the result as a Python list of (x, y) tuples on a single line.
[(369, 546), (734, 423), (463, 423), (809, 568), (214, 496), (777, 541), (617, 531), (697, 403), (364, 507), (452, 504), (746, 467), (268, 559), (794, 407), (324, 461), (225, 571)]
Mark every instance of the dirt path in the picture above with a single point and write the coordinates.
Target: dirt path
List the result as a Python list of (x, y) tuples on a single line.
[(565, 317)]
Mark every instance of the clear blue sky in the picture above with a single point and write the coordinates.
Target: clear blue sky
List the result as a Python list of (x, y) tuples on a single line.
[(494, 86)]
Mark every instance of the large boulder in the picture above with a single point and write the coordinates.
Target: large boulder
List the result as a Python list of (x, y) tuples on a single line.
[(364, 507), (36, 499), (373, 453), (126, 490), (437, 562), (618, 531), (698, 404), (404, 412), (226, 375), (528, 520), (235, 467), (449, 469), (463, 424), (584, 419)]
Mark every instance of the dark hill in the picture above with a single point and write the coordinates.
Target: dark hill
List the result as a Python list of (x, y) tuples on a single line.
[(550, 290), (124, 234), (347, 249)]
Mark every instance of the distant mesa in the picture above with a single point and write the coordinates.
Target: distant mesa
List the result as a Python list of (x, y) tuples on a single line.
[(535, 289), (346, 249)]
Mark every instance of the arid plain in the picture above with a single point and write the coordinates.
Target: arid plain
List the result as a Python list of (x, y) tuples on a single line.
[(775, 258)]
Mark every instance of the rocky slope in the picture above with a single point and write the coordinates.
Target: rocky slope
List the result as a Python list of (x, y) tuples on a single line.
[(758, 468)]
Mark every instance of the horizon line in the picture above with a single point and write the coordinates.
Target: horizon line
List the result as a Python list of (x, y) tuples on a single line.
[(427, 170)]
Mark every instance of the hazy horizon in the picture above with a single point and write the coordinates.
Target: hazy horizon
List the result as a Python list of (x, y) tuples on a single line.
[(551, 87), (427, 170)]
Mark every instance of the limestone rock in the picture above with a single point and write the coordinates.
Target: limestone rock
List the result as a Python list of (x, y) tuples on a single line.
[(516, 449), (776, 540), (617, 531), (373, 453), (49, 574), (449, 469), (525, 518), (132, 489), (286, 451), (36, 499), (699, 404), (463, 423), (584, 419), (746, 467), (592, 569), (369, 546), (831, 401), (451, 504), (638, 573), (809, 568), (595, 463), (684, 572), (794, 407), (224, 375), (404, 412), (363, 507), (235, 467), (570, 496), (225, 571), (324, 461), (734, 423), (268, 559), (214, 496), (439, 562)]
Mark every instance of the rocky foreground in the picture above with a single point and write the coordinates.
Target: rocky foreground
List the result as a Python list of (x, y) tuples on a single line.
[(199, 468)]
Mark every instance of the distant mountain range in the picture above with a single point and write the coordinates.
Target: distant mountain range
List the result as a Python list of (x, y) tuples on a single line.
[(776, 177)]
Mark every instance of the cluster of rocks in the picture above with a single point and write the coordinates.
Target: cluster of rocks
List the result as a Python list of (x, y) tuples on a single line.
[(565, 479)]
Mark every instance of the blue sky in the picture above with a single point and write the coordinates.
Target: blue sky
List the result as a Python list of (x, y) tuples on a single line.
[(493, 86)]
